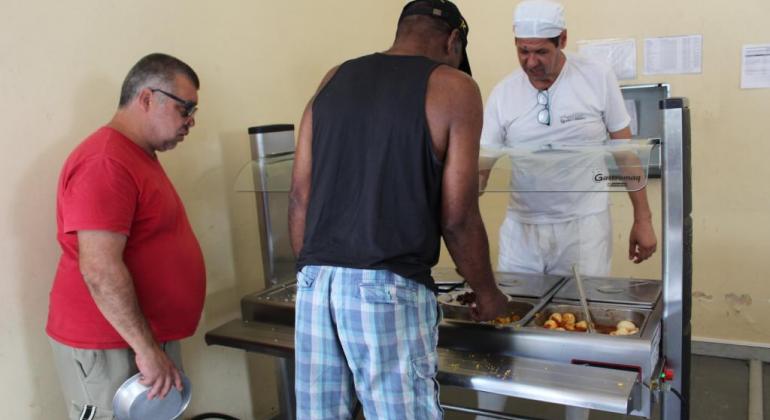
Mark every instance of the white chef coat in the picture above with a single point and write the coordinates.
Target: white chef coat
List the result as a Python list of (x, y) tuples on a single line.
[(585, 103)]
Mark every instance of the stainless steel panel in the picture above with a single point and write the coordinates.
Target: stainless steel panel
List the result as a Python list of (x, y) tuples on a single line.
[(527, 285), (560, 383), (613, 290), (274, 143), (273, 154), (676, 255)]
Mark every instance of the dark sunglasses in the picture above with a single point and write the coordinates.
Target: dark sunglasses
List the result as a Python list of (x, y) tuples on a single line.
[(188, 107)]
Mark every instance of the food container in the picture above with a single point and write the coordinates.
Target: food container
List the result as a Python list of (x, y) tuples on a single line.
[(605, 317), (456, 311), (131, 403)]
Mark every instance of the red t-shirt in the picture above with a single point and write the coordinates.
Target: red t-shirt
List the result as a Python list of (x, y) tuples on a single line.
[(109, 183)]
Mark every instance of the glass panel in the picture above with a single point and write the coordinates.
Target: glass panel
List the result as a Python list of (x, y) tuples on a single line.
[(612, 166), (267, 175)]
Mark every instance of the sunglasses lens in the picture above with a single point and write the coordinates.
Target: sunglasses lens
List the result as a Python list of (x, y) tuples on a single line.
[(542, 98), (544, 117)]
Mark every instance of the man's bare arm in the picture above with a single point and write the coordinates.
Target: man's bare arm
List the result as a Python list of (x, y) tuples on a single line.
[(462, 226), (642, 242), (299, 195), (111, 286)]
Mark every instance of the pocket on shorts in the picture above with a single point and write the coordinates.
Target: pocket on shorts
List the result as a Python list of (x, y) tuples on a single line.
[(306, 278), (426, 367), (387, 293), (89, 362)]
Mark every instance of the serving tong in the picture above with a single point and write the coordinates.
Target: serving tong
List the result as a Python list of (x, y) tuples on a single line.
[(583, 301)]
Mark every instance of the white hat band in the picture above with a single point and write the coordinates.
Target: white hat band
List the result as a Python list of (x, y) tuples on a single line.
[(536, 30)]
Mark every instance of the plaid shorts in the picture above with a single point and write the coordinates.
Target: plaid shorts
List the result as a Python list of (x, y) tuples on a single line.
[(365, 334)]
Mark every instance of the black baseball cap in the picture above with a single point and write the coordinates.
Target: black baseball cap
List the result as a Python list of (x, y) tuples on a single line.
[(446, 11)]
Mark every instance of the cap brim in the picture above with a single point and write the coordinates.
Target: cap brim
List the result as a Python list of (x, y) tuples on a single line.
[(464, 64)]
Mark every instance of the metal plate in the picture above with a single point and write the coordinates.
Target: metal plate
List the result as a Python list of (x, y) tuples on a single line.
[(614, 290), (526, 284), (130, 401)]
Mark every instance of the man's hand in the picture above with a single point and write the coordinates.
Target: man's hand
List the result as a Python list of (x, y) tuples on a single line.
[(641, 242), (158, 372), (489, 305)]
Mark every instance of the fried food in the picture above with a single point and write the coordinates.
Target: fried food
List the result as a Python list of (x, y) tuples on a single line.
[(567, 321), (625, 327), (561, 322), (505, 320)]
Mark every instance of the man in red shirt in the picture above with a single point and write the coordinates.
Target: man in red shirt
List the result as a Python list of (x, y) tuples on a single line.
[(131, 278)]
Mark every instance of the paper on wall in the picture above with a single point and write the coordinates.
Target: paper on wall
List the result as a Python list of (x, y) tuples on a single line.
[(673, 55), (620, 54), (755, 69)]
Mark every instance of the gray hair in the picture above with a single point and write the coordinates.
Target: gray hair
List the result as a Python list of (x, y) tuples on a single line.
[(158, 69)]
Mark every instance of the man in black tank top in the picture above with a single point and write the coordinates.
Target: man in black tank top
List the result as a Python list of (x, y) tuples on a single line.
[(386, 164)]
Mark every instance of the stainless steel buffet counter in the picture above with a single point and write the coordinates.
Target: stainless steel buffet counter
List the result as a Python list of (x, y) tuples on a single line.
[(521, 358)]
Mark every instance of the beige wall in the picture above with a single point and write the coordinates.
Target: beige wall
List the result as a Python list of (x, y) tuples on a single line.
[(61, 65)]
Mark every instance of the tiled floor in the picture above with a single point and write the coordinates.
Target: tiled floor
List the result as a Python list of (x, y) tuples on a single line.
[(719, 391)]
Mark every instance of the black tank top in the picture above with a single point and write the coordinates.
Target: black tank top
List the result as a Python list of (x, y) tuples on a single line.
[(375, 200)]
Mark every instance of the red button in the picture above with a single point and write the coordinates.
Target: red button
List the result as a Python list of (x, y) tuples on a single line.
[(668, 374)]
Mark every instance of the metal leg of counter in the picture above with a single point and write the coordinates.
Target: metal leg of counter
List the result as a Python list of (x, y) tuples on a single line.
[(285, 371)]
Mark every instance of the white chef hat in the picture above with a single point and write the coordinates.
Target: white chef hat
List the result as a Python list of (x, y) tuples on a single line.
[(538, 19)]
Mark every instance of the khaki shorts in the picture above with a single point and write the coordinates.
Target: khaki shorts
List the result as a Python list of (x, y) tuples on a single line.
[(89, 378)]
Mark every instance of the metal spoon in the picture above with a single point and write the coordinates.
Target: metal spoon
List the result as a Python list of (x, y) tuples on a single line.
[(583, 301)]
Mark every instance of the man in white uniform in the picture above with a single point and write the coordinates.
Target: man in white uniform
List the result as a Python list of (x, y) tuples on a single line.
[(558, 99)]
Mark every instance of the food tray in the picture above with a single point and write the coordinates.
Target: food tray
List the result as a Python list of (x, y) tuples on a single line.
[(605, 317), (457, 312)]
